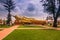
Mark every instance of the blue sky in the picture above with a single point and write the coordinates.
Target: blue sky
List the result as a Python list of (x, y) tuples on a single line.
[(29, 8)]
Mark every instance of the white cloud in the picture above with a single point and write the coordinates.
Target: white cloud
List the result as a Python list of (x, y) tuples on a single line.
[(22, 6)]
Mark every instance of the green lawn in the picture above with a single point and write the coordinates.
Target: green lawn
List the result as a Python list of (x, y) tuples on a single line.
[(29, 26), (4, 26), (34, 35)]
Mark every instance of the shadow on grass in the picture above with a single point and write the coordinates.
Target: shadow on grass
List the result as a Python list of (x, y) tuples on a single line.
[(4, 26), (30, 26)]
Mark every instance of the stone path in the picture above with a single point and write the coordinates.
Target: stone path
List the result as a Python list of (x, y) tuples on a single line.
[(50, 27), (39, 28), (57, 28), (7, 31), (35, 28)]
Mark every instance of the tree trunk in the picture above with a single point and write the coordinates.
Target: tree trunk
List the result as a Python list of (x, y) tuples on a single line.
[(55, 22), (8, 18)]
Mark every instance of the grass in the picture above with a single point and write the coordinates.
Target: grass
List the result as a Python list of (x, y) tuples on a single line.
[(29, 26), (34, 35), (4, 26)]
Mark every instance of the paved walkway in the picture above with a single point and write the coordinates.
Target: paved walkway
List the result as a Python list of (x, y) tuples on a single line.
[(7, 31), (50, 27), (35, 28)]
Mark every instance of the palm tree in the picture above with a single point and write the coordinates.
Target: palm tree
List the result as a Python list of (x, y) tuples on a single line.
[(51, 7)]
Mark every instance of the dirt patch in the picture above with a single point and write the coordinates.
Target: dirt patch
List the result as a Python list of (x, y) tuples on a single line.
[(1, 29)]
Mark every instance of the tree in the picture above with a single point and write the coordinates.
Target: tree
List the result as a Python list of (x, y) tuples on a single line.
[(52, 7), (9, 6), (49, 18)]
